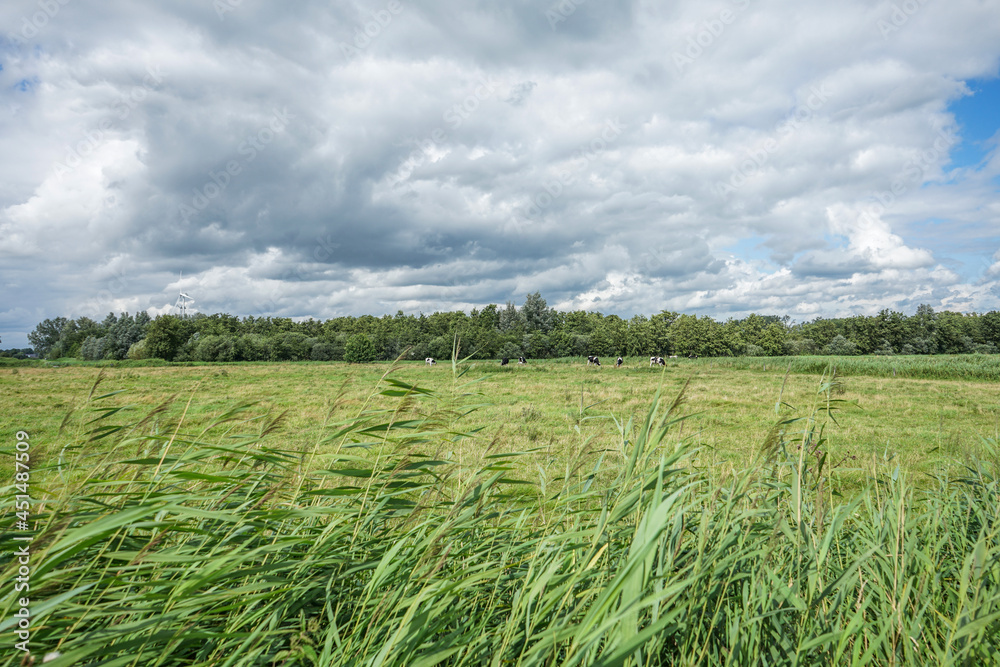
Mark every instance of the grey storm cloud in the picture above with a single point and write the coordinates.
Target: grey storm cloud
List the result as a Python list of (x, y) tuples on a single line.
[(330, 158)]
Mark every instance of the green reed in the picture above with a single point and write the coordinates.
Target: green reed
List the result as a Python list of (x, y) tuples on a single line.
[(156, 546)]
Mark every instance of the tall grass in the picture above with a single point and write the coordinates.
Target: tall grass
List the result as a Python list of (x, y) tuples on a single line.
[(935, 367), (159, 547)]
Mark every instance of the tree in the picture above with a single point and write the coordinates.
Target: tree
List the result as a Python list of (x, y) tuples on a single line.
[(684, 335), (774, 339), (637, 337), (46, 335), (252, 347), (536, 314), (323, 352), (510, 350), (488, 317), (360, 349), (92, 348), (138, 350), (797, 346), (840, 346), (702, 336), (123, 333), (73, 333), (166, 336), (990, 325), (659, 339), (510, 319), (291, 346), (214, 347), (921, 330)]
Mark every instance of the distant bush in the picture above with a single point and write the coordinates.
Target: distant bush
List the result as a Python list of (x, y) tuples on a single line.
[(360, 349), (840, 346), (292, 346), (323, 352), (137, 350), (252, 347), (215, 348)]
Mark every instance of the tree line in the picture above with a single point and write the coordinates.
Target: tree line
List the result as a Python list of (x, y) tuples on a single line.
[(534, 330)]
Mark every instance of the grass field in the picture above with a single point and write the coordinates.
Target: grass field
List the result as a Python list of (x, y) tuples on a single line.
[(554, 514), (559, 407)]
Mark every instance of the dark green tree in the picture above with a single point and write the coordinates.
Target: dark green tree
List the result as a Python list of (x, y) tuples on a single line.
[(536, 314), (166, 336), (46, 335), (360, 349)]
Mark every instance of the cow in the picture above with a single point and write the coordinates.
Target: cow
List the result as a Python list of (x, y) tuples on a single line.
[(653, 361), (521, 361), (692, 356), (618, 364), (593, 360), (429, 361), (504, 361), (673, 356)]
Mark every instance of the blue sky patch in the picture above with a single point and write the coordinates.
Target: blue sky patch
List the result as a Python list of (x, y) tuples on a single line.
[(978, 118), (962, 247)]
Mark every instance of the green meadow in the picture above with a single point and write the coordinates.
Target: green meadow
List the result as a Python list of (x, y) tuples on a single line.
[(740, 511), (925, 412)]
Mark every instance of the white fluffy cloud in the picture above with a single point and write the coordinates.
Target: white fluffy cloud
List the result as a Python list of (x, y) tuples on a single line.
[(356, 157)]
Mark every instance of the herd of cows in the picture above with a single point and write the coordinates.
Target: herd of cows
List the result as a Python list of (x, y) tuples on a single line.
[(653, 361)]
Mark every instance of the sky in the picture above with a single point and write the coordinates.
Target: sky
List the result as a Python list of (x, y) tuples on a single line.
[(320, 159)]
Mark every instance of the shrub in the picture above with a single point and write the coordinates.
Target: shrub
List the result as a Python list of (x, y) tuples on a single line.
[(360, 349), (323, 352), (137, 350), (252, 347), (214, 348), (801, 346), (884, 350), (291, 346), (840, 346)]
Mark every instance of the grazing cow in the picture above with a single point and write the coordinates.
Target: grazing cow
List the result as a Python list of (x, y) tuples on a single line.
[(692, 356), (618, 364), (521, 360), (429, 361), (593, 360), (653, 361), (504, 361)]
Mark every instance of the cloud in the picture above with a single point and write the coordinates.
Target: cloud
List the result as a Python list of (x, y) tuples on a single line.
[(365, 157), (520, 92)]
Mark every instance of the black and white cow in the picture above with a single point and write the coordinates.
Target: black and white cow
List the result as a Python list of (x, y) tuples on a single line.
[(593, 360), (618, 364), (429, 361), (521, 360), (692, 356), (653, 361), (504, 361)]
